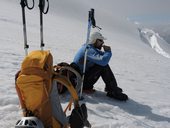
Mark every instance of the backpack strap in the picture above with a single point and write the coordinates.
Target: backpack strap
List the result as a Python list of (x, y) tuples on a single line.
[(66, 70), (60, 70), (63, 80)]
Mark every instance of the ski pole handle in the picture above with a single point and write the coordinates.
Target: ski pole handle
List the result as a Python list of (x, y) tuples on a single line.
[(92, 18)]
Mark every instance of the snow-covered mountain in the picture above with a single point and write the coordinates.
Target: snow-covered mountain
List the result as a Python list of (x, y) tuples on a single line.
[(155, 41), (140, 58)]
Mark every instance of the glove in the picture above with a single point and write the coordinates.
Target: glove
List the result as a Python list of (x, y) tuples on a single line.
[(106, 48)]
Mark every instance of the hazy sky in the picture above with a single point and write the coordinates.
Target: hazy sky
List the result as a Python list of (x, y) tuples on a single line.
[(148, 10)]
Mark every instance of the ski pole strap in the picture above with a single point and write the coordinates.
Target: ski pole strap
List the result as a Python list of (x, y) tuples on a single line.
[(42, 5), (25, 3), (92, 18)]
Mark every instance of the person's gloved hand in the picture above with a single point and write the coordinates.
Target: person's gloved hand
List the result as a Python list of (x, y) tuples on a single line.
[(106, 48)]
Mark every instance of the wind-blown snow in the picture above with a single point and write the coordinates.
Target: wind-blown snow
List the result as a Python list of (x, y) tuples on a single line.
[(140, 71)]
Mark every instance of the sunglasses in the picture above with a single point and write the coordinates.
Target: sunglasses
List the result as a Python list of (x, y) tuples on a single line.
[(100, 40)]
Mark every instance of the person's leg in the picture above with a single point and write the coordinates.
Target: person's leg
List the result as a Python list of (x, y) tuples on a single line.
[(105, 72), (107, 75), (113, 91), (91, 77), (109, 79)]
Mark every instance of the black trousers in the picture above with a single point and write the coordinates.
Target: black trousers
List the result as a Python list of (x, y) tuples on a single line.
[(94, 73)]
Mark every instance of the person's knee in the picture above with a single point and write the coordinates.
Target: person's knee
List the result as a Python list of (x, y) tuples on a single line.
[(100, 67)]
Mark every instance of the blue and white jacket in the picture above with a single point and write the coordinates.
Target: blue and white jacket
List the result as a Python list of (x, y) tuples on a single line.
[(94, 56)]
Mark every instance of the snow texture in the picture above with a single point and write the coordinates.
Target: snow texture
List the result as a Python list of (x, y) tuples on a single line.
[(140, 58)]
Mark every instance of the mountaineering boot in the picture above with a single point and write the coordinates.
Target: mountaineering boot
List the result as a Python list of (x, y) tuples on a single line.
[(117, 95), (89, 91), (117, 89)]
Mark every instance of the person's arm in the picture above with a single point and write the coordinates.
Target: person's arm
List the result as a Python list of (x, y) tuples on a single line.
[(98, 57)]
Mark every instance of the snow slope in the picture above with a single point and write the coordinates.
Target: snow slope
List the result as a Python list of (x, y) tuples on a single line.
[(155, 41), (140, 71)]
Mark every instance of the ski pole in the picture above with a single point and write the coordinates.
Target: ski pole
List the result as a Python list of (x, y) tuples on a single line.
[(23, 5), (42, 11), (91, 22)]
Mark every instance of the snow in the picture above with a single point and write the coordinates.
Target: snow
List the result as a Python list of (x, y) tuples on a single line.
[(141, 67), (149, 36)]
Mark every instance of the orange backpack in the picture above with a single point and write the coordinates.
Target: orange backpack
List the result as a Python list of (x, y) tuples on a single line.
[(34, 84)]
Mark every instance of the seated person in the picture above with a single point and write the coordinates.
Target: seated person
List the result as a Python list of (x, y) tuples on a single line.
[(97, 65)]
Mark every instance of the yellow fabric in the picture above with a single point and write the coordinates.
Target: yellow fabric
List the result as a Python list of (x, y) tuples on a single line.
[(31, 84), (35, 59), (56, 124)]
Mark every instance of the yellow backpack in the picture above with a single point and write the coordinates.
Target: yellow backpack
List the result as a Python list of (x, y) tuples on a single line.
[(34, 84)]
